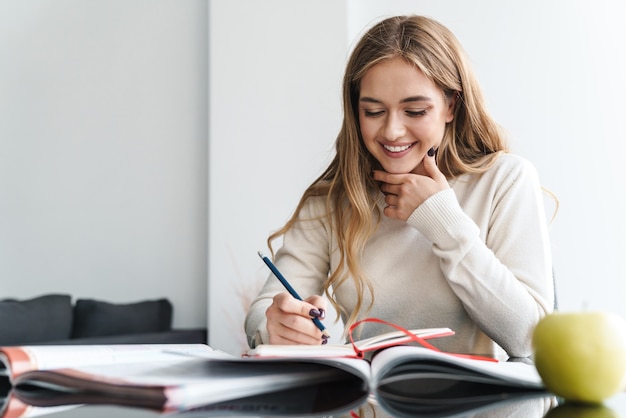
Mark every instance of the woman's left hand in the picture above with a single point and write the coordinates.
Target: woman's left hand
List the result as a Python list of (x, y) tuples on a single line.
[(405, 192)]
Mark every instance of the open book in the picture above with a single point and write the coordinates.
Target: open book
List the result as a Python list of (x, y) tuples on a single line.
[(403, 380), (356, 349), (411, 381)]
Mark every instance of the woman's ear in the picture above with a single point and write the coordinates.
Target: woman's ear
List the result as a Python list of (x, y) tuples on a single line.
[(451, 102)]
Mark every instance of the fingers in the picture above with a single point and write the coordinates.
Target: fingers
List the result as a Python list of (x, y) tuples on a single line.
[(405, 192), (319, 304), (289, 320), (431, 169)]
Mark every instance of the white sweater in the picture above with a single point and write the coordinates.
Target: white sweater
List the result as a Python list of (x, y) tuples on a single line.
[(475, 258)]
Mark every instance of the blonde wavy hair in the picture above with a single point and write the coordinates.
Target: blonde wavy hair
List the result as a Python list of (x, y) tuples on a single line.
[(470, 144)]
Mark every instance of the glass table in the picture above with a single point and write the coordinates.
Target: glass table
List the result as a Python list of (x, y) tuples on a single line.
[(544, 406)]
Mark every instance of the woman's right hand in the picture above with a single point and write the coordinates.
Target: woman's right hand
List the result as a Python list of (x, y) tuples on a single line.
[(289, 320)]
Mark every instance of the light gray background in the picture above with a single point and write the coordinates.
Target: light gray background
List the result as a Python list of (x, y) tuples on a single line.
[(103, 151)]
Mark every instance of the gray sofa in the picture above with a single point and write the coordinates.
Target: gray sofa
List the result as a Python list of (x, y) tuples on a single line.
[(54, 319)]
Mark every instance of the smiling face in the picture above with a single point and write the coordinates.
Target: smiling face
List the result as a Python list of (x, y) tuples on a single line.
[(402, 114)]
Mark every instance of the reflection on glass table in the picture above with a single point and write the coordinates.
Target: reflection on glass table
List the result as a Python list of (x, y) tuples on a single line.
[(535, 406)]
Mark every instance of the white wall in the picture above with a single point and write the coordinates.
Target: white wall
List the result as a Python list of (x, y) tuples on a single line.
[(552, 75), (275, 75), (103, 151)]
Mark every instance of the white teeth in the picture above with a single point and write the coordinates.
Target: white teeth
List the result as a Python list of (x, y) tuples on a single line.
[(397, 149)]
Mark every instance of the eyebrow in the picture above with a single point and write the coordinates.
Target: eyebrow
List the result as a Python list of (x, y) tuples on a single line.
[(411, 99)]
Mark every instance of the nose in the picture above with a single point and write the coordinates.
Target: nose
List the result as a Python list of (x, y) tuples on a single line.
[(394, 128)]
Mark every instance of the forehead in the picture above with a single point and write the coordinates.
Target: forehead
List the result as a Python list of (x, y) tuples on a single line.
[(395, 78)]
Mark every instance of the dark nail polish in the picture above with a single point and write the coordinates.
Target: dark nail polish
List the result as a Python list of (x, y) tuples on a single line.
[(322, 314), (431, 152), (315, 313), (324, 340)]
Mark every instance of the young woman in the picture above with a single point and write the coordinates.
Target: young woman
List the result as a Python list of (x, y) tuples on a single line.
[(422, 218)]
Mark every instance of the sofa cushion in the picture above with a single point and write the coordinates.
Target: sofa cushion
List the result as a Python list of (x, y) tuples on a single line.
[(174, 336), (43, 318), (94, 318)]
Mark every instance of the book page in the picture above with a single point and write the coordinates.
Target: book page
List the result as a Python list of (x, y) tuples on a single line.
[(394, 359), (18, 360), (298, 351)]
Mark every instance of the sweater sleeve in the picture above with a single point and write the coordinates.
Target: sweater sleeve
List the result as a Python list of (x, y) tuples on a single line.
[(303, 259), (502, 274)]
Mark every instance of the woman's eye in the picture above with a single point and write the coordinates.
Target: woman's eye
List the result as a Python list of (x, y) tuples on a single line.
[(416, 112), (373, 113)]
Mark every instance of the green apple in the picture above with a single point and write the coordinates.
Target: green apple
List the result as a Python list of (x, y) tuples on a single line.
[(581, 356)]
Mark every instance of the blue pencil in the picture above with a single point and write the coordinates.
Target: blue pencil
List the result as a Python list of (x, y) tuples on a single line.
[(290, 289)]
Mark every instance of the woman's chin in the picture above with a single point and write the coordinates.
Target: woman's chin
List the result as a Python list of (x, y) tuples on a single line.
[(399, 169)]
